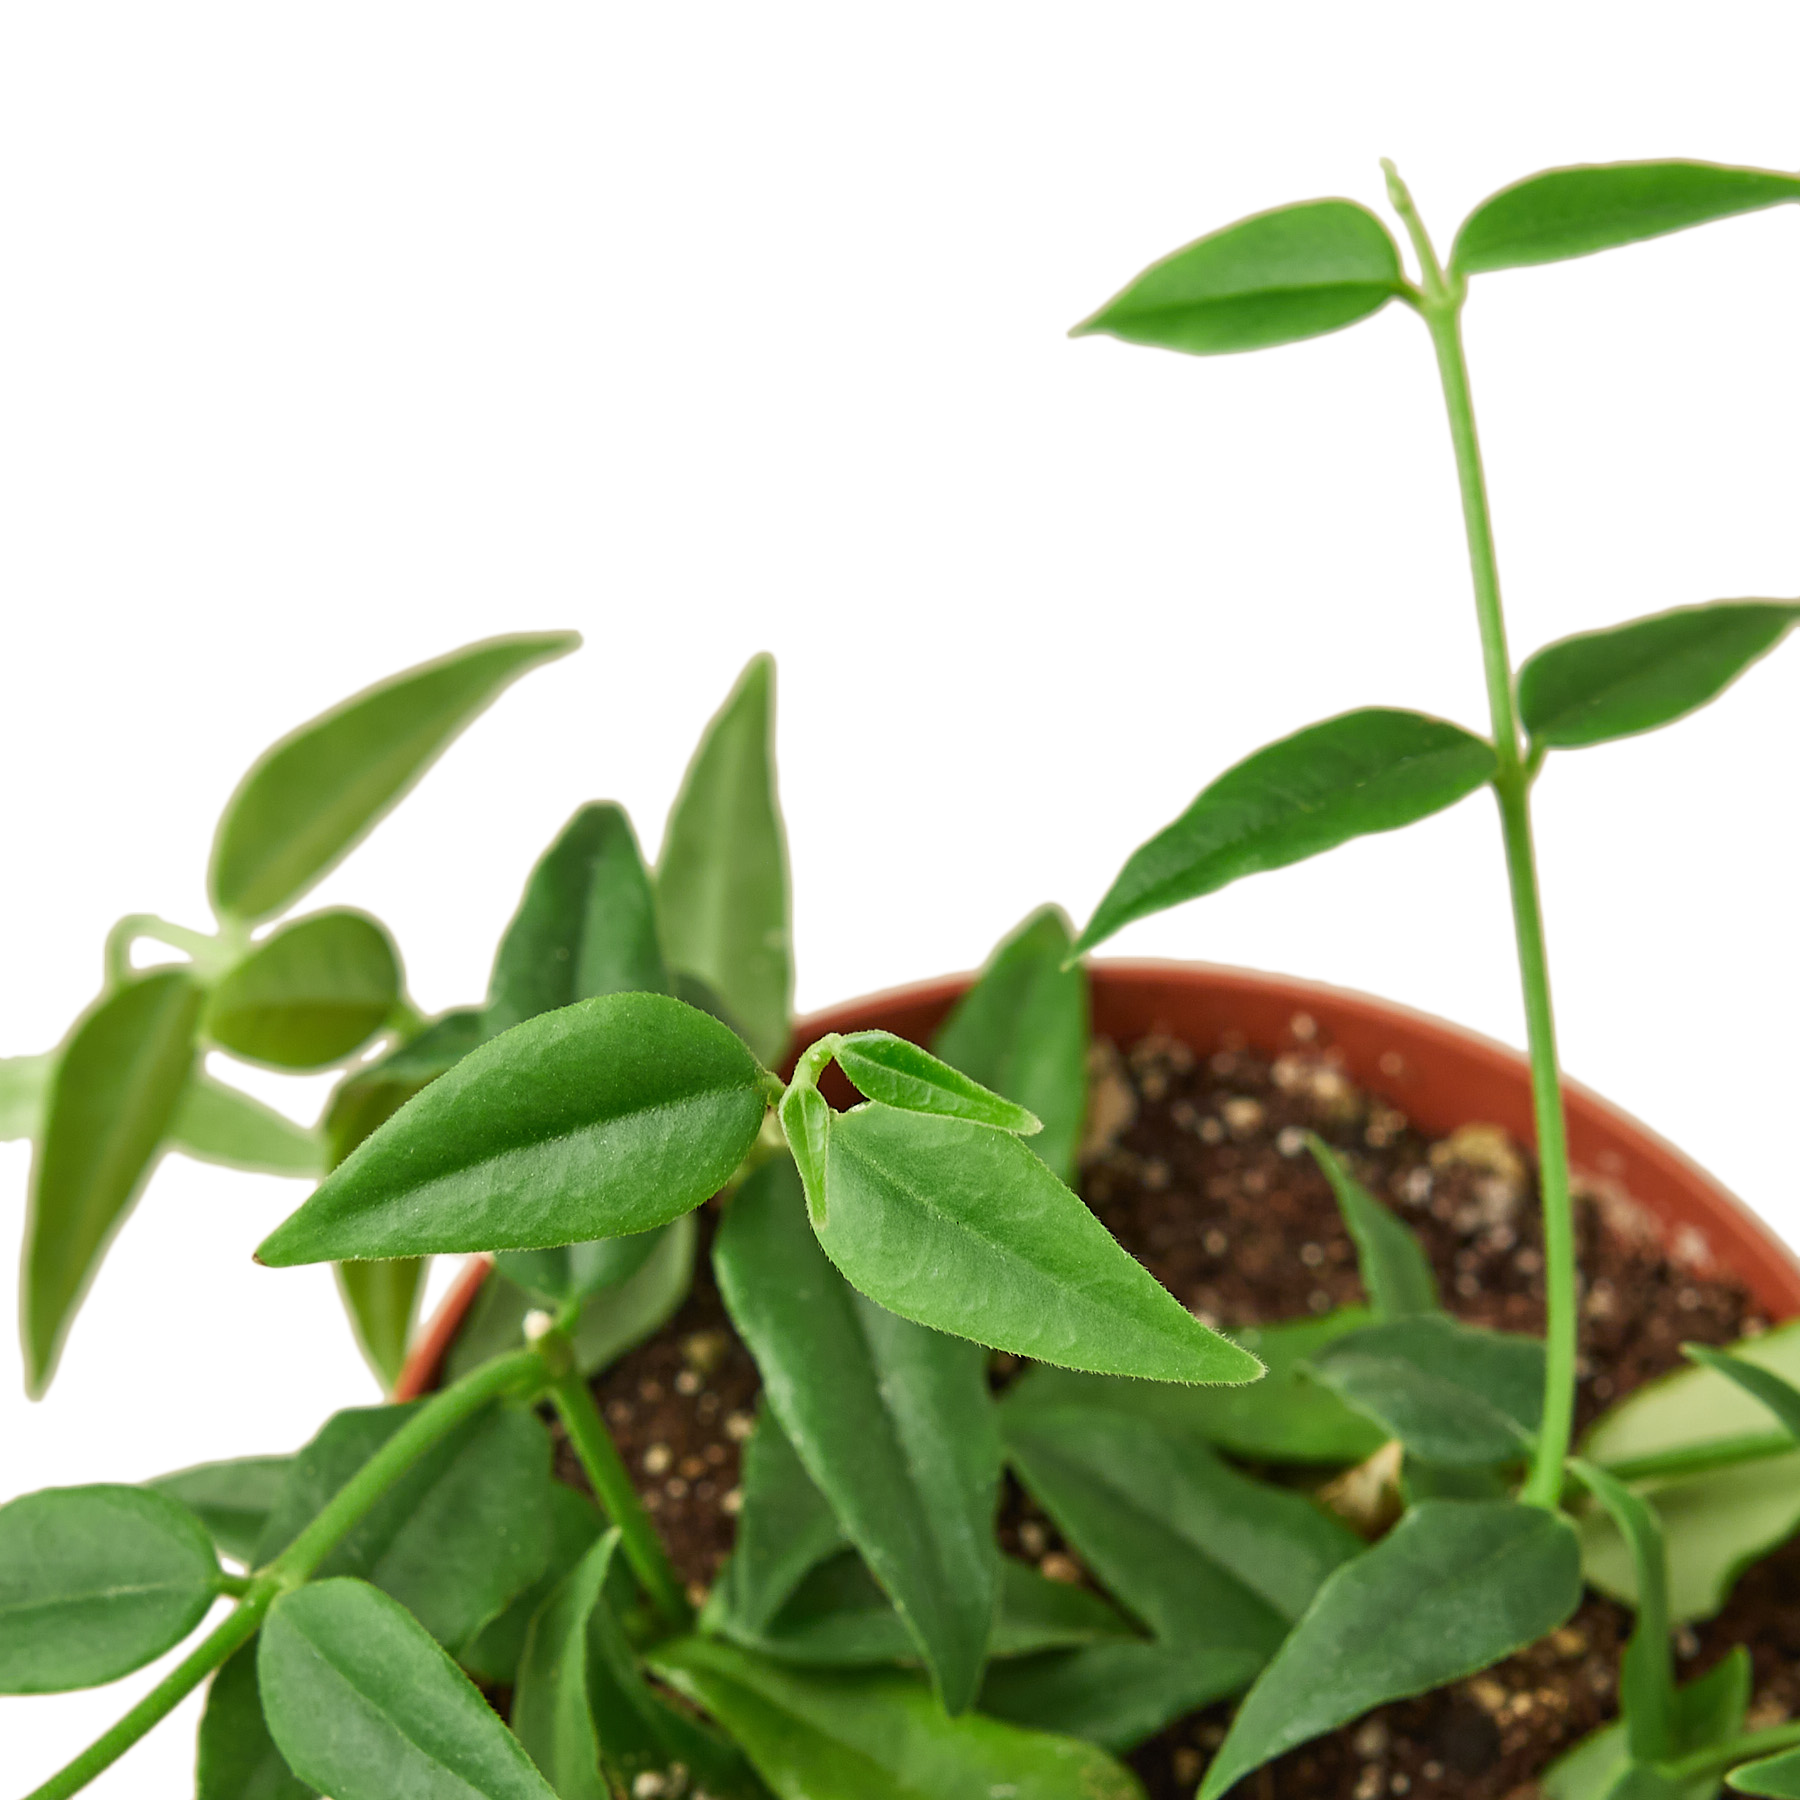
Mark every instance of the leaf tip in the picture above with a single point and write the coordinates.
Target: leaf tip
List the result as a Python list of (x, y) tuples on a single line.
[(1095, 931), (273, 1251), (1253, 1368)]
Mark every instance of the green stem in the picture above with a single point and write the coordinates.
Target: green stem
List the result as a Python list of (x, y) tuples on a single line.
[(611, 1482), (1722, 1757), (1440, 304), (1562, 1319), (523, 1373), (232, 1632), (1701, 1459), (212, 955)]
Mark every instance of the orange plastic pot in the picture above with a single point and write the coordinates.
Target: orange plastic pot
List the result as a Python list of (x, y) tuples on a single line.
[(1440, 1075)]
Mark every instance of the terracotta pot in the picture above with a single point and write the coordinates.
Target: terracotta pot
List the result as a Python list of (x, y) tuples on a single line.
[(1438, 1074)]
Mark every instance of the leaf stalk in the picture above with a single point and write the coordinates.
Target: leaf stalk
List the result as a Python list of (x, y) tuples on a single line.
[(212, 955)]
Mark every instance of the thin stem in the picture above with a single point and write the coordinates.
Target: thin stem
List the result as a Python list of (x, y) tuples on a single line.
[(522, 1373), (233, 1631), (611, 1482), (1441, 307), (1701, 1459), (1740, 1750), (1562, 1320), (211, 954)]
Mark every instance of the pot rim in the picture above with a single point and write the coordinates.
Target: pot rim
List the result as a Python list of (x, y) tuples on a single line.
[(1607, 1143)]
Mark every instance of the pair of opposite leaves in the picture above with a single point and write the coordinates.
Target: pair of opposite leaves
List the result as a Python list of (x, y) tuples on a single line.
[(1315, 267)]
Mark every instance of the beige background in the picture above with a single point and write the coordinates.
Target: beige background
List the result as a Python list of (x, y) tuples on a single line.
[(276, 431)]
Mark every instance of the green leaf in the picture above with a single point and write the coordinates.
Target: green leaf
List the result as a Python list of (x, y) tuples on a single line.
[(893, 1422), (1640, 1781), (368, 1097), (1038, 1614), (1201, 1553), (552, 1713), (231, 1499), (838, 1617), (877, 1736), (24, 1094), (901, 1075), (1285, 1418), (961, 1228), (1647, 1670), (806, 1121), (1280, 276), (696, 993), (1776, 1777), (1362, 772), (1218, 1565), (574, 1271), (606, 1118), (610, 1323), (492, 1655), (311, 994), (463, 1531), (1615, 683), (1708, 1712), (722, 878), (308, 800), (1598, 206), (1022, 1030), (364, 1706), (785, 1528), (114, 1094), (1781, 1397), (1113, 1695), (1457, 1585), (237, 1757), (584, 1712), (96, 1582), (220, 1124), (382, 1299), (1715, 1525), (1423, 1480), (1452, 1393), (1396, 1273), (586, 926)]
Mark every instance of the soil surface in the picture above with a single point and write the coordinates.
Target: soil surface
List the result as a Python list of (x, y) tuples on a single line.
[(1197, 1164)]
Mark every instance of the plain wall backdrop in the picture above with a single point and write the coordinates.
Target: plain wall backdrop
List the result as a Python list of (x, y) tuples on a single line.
[(337, 336)]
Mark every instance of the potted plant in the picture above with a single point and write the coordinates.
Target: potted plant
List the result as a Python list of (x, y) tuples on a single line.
[(1001, 1509)]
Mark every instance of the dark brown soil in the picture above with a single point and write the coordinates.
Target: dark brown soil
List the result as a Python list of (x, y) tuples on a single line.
[(1198, 1165)]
